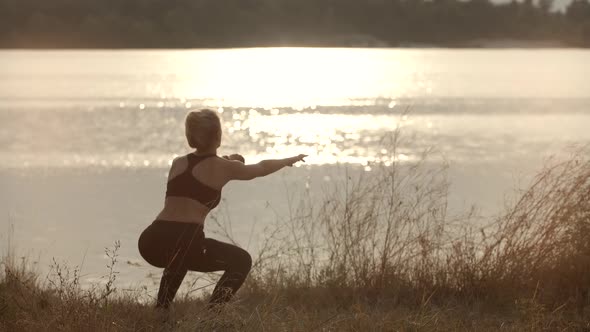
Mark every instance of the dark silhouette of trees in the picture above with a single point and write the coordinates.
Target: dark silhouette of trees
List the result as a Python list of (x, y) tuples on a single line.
[(240, 23)]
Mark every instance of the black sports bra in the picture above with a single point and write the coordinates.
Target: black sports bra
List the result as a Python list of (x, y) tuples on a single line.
[(185, 184)]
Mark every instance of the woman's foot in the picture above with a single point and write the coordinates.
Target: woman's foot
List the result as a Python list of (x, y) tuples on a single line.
[(162, 314)]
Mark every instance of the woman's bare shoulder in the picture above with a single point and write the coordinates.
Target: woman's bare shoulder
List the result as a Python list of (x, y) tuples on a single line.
[(178, 165)]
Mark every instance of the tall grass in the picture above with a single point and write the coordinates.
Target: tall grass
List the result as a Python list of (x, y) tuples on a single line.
[(373, 251), (387, 236)]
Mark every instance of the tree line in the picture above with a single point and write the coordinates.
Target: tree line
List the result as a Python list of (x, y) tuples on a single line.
[(245, 23)]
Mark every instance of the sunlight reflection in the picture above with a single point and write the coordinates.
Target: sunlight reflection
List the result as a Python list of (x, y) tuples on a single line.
[(327, 139), (294, 77)]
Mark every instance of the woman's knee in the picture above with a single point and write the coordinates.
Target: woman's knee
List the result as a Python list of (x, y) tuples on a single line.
[(235, 258), (244, 261)]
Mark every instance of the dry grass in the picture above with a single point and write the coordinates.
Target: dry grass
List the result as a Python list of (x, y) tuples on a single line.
[(374, 252)]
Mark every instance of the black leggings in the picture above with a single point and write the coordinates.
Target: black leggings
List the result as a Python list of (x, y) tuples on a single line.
[(178, 247)]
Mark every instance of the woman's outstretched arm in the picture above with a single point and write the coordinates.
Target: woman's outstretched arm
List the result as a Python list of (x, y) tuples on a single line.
[(239, 171)]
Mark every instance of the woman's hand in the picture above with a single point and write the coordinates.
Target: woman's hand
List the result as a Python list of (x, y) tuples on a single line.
[(293, 160), (235, 156)]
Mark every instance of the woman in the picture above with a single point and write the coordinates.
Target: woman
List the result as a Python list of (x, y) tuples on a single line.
[(175, 240)]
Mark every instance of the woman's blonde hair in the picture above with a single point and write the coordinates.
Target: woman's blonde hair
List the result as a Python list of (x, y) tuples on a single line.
[(202, 129)]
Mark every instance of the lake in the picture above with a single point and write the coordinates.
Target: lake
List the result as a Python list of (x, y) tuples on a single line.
[(87, 136)]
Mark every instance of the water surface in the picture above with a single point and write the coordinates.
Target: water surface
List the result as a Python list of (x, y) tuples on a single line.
[(87, 136)]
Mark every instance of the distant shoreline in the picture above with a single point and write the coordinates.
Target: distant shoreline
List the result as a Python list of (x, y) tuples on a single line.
[(491, 44), (137, 24)]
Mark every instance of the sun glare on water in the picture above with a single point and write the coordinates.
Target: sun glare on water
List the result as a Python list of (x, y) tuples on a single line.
[(327, 139), (288, 77), (284, 80)]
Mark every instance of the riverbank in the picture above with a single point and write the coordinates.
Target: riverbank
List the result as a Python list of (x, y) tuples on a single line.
[(377, 251), (25, 306)]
